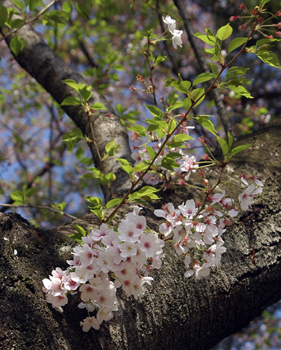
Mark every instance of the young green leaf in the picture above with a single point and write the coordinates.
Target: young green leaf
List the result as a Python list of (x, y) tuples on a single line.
[(240, 90), (98, 106), (3, 15), (71, 101), (201, 78), (224, 145), (113, 202), (206, 38), (179, 140), (110, 148), (150, 151), (17, 197), (230, 139), (269, 58), (156, 112), (17, 44), (238, 149), (207, 124), (224, 32), (236, 43), (20, 4), (196, 94)]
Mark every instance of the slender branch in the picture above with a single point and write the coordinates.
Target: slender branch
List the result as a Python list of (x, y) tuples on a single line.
[(151, 73), (29, 21)]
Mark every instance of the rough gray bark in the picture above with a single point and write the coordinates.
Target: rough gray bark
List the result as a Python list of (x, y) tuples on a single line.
[(176, 313), (203, 64), (49, 70)]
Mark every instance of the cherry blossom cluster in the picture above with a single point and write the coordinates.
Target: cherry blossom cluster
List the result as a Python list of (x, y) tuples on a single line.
[(197, 229), (176, 39), (107, 260)]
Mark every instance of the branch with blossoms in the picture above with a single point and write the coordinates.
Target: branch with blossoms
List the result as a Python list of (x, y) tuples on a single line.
[(109, 258)]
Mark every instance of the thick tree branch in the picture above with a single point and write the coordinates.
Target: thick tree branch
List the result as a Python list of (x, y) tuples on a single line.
[(203, 64), (50, 71), (176, 313)]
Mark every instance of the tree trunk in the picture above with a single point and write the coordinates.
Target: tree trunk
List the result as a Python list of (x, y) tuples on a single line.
[(175, 313)]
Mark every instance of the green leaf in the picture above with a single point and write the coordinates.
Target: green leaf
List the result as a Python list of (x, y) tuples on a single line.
[(19, 4), (172, 98), (71, 138), (97, 106), (113, 202), (17, 44), (269, 58), (224, 145), (59, 207), (58, 16), (85, 93), (236, 43), (168, 161), (187, 103), (235, 72), (73, 84), (76, 237), (17, 196), (160, 59), (207, 124), (110, 148), (265, 41), (179, 140), (109, 178), (182, 86), (224, 32), (30, 192), (201, 78), (196, 95), (3, 15), (171, 125), (71, 101), (150, 151), (80, 230), (17, 23), (241, 90), (238, 150), (206, 38), (177, 104), (146, 193), (34, 3), (154, 111), (125, 165), (215, 69), (230, 139), (263, 2), (139, 129), (67, 7)]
